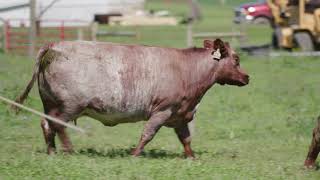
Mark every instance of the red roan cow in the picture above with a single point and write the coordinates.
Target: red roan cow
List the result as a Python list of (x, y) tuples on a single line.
[(116, 84)]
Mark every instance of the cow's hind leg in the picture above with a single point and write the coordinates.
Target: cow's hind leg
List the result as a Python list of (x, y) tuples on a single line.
[(150, 129), (49, 136), (50, 129), (65, 140), (183, 134)]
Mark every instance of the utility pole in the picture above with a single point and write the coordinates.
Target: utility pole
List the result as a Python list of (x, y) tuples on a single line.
[(32, 28), (194, 15), (189, 34)]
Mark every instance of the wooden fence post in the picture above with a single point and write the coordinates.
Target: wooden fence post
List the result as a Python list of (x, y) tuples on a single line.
[(243, 31), (189, 34), (6, 35), (80, 33), (32, 29), (222, 2), (2, 37), (62, 33), (94, 30)]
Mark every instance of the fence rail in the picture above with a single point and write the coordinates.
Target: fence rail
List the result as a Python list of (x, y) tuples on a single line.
[(16, 38), (295, 54), (218, 35)]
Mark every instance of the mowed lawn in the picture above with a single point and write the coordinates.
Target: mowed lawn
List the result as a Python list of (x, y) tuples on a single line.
[(261, 131)]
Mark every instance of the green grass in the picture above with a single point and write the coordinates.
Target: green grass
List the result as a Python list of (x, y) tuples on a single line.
[(261, 131)]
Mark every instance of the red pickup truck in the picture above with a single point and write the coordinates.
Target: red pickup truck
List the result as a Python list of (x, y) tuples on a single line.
[(256, 12)]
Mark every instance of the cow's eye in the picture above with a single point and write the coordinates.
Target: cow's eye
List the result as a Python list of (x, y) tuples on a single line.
[(236, 64)]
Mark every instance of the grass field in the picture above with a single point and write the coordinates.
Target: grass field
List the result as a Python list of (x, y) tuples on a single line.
[(261, 131)]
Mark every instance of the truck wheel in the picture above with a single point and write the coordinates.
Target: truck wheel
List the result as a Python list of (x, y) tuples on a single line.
[(304, 41), (261, 20), (275, 40)]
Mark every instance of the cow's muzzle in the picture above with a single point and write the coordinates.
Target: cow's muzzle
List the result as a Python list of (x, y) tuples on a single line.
[(244, 80)]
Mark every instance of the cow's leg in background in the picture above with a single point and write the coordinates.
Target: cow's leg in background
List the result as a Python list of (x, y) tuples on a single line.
[(314, 148), (192, 127), (151, 128), (184, 136), (64, 138)]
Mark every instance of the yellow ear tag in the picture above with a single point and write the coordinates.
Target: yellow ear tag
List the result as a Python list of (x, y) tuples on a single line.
[(217, 54)]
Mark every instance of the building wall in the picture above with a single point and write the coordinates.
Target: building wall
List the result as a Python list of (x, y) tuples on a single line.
[(71, 10)]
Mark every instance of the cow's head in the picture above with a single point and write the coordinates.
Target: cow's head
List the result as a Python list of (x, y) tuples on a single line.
[(228, 71)]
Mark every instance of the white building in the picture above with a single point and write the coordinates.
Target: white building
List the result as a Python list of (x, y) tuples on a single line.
[(72, 12)]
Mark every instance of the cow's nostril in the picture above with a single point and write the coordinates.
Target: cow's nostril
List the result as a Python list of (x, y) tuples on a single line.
[(246, 78)]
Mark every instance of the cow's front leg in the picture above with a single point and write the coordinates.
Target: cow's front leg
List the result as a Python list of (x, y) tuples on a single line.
[(310, 161), (150, 129), (184, 136)]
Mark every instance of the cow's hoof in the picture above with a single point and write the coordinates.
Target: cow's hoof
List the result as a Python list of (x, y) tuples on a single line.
[(310, 164), (15, 109), (190, 157), (51, 151), (67, 151), (135, 152), (311, 167)]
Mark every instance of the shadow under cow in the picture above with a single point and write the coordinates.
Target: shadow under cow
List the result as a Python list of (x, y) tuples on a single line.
[(126, 152)]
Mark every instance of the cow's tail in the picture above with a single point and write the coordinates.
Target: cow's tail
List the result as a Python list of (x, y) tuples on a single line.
[(21, 98)]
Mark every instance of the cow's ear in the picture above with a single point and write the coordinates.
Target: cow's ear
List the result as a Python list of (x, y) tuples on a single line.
[(208, 44), (227, 44), (219, 50), (218, 44)]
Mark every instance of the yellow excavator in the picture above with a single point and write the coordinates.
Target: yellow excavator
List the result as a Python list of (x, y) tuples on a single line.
[(297, 24)]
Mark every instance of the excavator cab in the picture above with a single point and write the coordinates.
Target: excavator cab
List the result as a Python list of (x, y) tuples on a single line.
[(297, 24)]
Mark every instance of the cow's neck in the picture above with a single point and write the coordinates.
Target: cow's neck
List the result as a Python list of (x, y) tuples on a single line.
[(202, 72)]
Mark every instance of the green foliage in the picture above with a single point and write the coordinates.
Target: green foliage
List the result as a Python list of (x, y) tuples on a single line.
[(261, 131)]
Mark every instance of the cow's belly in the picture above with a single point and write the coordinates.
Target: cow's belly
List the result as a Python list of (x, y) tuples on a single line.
[(112, 119)]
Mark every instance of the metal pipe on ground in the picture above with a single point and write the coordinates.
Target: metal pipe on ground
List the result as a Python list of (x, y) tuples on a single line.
[(50, 118)]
